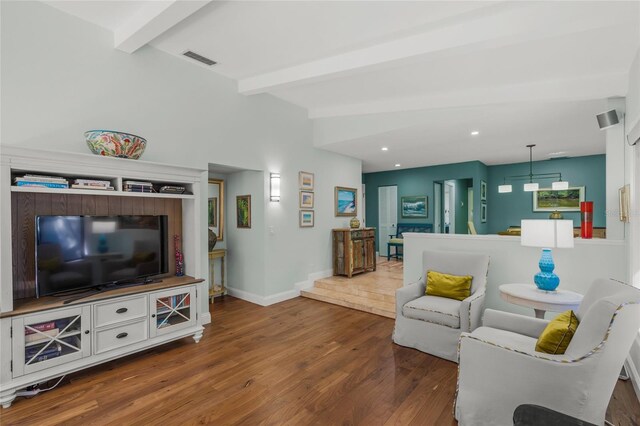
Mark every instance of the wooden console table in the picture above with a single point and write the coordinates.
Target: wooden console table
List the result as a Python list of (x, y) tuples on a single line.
[(215, 290), (354, 251)]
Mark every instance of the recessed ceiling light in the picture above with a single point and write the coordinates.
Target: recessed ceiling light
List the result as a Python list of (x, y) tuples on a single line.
[(398, 165), (475, 133), (384, 148)]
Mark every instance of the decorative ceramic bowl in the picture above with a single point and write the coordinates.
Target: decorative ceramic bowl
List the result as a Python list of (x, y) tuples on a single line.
[(115, 144)]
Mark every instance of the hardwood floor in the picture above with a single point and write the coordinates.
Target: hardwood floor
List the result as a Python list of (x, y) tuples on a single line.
[(296, 363)]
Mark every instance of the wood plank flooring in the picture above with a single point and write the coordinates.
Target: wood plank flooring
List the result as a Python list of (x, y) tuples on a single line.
[(299, 362), (373, 292)]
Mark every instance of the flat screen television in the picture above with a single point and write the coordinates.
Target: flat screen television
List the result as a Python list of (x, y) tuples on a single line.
[(79, 252)]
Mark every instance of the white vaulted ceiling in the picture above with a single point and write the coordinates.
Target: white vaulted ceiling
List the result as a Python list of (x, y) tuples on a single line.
[(416, 77)]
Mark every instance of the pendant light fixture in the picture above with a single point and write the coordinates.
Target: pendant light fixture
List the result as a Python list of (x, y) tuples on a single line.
[(532, 186)]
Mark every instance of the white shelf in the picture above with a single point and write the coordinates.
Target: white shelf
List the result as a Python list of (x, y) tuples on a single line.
[(45, 190)]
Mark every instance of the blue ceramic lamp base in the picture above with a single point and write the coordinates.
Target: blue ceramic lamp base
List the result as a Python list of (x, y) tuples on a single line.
[(545, 279)]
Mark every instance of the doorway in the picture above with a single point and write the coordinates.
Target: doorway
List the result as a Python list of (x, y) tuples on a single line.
[(449, 207), (437, 207), (387, 216)]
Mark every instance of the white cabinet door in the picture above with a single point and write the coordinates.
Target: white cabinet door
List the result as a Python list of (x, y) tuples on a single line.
[(172, 310), (46, 340)]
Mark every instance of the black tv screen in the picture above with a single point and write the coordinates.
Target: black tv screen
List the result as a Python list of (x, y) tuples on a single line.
[(77, 252)]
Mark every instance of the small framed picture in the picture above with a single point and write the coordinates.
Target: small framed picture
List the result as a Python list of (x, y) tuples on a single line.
[(243, 211), (306, 199), (414, 206), (483, 190), (483, 212), (346, 201), (306, 218), (305, 180)]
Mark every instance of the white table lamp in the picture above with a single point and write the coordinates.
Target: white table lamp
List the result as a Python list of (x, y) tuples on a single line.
[(547, 234)]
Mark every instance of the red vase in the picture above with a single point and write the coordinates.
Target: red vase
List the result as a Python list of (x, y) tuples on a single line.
[(586, 216)]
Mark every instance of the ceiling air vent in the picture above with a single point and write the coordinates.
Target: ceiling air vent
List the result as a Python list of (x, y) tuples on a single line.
[(199, 58)]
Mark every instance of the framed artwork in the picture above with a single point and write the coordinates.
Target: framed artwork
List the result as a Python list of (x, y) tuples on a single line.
[(483, 212), (307, 218), (624, 199), (564, 200), (305, 180), (414, 206), (306, 199), (213, 212), (243, 211), (483, 190), (346, 201)]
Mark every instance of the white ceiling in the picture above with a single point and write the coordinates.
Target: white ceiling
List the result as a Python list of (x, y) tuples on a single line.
[(416, 77)]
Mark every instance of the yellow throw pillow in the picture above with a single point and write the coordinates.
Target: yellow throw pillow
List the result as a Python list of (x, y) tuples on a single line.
[(558, 333), (456, 287)]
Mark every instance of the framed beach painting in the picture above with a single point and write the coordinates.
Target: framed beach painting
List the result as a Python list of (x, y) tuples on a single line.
[(306, 199), (305, 180), (306, 218), (346, 201), (243, 211), (564, 200), (414, 206), (483, 212)]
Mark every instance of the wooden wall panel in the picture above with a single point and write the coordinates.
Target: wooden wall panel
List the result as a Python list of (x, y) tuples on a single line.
[(26, 206)]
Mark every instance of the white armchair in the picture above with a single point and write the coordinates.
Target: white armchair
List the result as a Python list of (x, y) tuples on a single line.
[(500, 369), (433, 324)]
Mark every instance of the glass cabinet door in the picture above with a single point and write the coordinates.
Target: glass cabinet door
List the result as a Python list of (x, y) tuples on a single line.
[(172, 310), (46, 340)]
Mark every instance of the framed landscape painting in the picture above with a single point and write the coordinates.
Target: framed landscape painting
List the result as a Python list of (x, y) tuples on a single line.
[(306, 199), (346, 201), (306, 218), (564, 200), (305, 180), (414, 206), (483, 190), (243, 211)]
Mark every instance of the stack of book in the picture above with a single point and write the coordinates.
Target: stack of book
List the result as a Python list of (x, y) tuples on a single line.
[(92, 184), (42, 181), (136, 186), (52, 351)]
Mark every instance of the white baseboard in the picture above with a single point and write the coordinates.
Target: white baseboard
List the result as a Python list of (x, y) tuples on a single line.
[(280, 297), (632, 369)]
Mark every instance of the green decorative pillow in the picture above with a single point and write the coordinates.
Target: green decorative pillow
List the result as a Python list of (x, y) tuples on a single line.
[(558, 333), (456, 287)]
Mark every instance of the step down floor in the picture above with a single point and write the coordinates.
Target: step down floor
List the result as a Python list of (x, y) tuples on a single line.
[(372, 292)]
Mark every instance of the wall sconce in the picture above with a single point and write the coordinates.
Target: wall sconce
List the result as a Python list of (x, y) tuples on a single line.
[(274, 187)]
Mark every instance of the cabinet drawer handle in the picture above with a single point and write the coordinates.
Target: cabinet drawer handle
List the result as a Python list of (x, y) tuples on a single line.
[(122, 335), (121, 310)]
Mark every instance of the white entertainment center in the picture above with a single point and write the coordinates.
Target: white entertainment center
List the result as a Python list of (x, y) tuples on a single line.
[(106, 325)]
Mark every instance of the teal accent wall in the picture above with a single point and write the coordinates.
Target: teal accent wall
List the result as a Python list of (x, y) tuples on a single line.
[(503, 210), (508, 209), (419, 181)]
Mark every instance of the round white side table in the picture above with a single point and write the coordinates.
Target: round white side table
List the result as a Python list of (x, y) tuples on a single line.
[(541, 301)]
